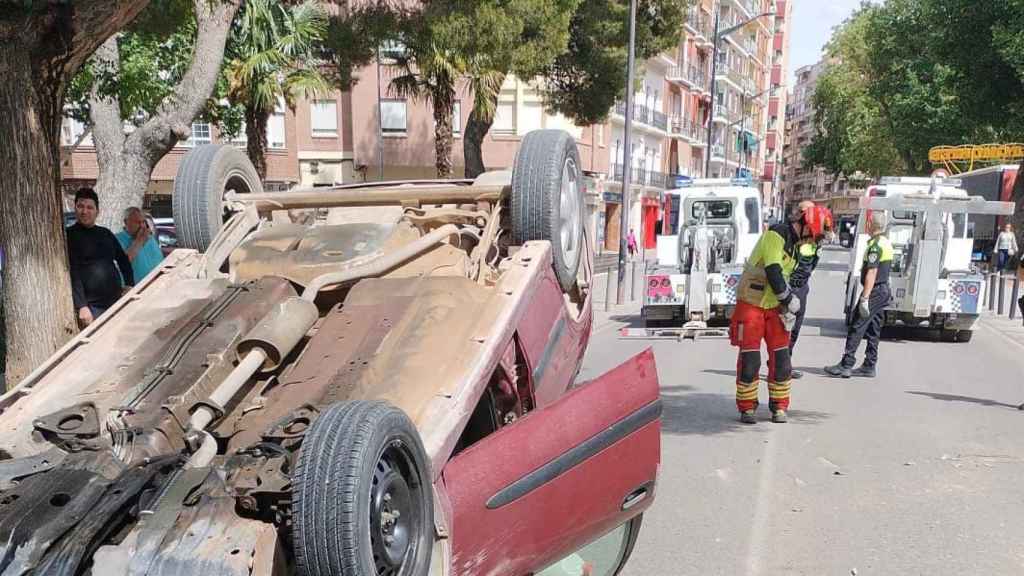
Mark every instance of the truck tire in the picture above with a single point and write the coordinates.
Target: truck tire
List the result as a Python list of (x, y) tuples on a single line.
[(362, 494), (205, 174), (547, 199), (964, 335)]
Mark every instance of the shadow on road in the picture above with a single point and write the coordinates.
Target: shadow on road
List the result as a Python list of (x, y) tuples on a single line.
[(631, 320), (685, 412), (967, 399)]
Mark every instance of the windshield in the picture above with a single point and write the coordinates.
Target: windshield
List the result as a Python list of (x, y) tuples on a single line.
[(711, 209)]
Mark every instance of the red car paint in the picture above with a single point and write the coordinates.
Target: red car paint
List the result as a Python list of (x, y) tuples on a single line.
[(494, 533)]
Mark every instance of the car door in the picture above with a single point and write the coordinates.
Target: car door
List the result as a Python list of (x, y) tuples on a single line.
[(559, 478)]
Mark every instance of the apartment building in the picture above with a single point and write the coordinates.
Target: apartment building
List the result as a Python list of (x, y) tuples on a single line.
[(802, 182), (371, 133), (775, 136)]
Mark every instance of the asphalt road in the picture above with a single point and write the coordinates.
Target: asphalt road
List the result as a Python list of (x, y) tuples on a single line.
[(920, 471)]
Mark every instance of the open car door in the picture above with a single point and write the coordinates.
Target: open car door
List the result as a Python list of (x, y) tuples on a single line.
[(538, 491)]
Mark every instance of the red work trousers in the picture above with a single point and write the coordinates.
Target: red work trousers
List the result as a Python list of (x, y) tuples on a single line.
[(751, 324)]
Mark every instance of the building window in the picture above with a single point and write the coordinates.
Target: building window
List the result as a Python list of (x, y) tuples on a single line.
[(393, 116), (240, 139), (275, 128), (600, 134), (323, 118), (200, 133), (505, 115), (457, 118), (392, 50)]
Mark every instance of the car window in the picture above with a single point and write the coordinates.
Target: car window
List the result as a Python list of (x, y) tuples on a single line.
[(753, 217), (602, 557), (713, 209)]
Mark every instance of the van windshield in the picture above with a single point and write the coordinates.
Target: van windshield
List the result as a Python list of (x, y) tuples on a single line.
[(711, 209)]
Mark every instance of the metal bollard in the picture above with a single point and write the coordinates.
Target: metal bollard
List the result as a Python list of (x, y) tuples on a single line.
[(608, 290), (633, 282), (1002, 295), (991, 284), (1014, 296)]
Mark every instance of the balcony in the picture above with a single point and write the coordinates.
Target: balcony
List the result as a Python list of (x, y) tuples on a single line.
[(639, 176), (645, 116), (689, 76), (698, 24), (750, 6)]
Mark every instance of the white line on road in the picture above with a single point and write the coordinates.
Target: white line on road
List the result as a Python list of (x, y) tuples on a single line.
[(765, 492)]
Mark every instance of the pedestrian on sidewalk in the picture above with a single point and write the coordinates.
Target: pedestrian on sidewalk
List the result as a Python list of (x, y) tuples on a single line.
[(875, 297), (766, 310), (631, 243), (138, 243), (800, 281), (1006, 247), (95, 259)]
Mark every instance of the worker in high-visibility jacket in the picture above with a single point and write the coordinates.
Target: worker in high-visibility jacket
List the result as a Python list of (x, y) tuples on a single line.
[(766, 310), (800, 280)]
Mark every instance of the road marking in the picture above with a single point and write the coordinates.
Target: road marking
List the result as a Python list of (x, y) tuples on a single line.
[(765, 491)]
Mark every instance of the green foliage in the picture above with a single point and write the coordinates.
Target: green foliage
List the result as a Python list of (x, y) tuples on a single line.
[(585, 81), (271, 54), (913, 74)]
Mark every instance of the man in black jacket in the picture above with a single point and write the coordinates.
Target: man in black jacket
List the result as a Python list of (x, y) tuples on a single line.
[(92, 253)]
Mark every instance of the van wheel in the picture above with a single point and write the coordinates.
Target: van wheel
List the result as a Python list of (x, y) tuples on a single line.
[(362, 493), (547, 199), (205, 175)]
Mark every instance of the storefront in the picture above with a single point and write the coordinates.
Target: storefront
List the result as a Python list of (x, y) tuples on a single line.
[(612, 224), (650, 222)]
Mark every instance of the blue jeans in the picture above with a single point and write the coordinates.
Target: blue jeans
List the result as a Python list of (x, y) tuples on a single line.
[(1003, 258)]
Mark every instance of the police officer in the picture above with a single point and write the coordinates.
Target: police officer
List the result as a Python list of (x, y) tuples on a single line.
[(875, 297), (766, 309), (800, 279)]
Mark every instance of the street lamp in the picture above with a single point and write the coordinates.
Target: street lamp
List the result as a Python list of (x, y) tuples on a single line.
[(627, 158), (716, 37)]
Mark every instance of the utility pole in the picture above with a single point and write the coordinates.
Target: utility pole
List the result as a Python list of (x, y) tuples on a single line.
[(627, 157), (711, 110)]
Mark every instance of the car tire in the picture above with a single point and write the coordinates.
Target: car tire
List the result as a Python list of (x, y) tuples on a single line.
[(547, 199), (205, 174), (360, 463)]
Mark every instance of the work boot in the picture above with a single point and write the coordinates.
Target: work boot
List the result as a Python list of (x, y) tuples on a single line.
[(796, 374), (779, 417), (748, 417), (839, 371), (865, 371)]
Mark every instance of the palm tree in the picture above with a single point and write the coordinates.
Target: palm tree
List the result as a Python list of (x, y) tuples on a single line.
[(272, 56), (430, 72)]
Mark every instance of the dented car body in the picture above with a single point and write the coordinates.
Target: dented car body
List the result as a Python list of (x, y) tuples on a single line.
[(358, 380)]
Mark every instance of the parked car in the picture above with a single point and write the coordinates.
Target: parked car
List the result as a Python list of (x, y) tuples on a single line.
[(166, 234), (375, 379)]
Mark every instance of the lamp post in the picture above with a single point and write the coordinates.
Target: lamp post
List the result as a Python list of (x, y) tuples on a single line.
[(627, 157), (716, 37)]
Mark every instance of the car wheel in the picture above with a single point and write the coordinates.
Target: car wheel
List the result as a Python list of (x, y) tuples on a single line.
[(363, 502), (205, 174), (547, 199)]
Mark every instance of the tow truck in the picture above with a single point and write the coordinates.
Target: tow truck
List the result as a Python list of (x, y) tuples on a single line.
[(933, 281), (691, 290)]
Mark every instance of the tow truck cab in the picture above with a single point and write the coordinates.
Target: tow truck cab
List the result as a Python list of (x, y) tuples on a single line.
[(698, 268), (933, 281)]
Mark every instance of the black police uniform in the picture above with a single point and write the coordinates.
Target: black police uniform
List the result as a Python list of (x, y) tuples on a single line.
[(800, 282), (878, 256)]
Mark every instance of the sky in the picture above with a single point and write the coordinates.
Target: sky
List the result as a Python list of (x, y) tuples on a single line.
[(811, 29)]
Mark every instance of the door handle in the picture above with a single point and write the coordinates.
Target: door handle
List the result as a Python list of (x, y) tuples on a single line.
[(636, 496)]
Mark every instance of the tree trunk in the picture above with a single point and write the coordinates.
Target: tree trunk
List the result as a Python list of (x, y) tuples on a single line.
[(36, 285), (443, 136), (472, 144), (256, 139)]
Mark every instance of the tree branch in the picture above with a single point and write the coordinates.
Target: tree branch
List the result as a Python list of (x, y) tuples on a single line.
[(105, 110), (173, 118)]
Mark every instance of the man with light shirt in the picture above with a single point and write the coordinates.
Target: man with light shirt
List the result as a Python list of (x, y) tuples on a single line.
[(138, 243)]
